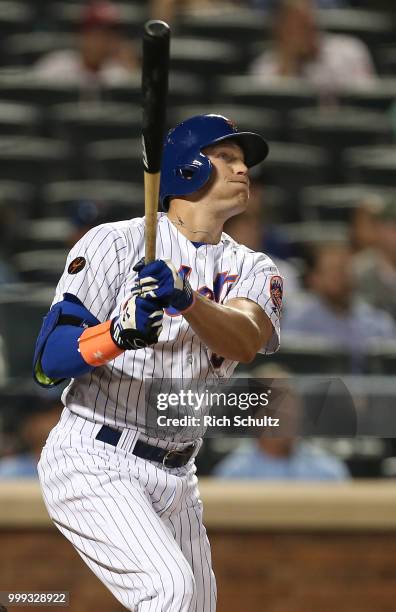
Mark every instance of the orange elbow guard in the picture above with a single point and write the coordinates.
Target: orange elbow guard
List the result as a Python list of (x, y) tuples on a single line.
[(97, 346)]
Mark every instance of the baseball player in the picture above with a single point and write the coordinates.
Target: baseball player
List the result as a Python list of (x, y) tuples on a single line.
[(128, 502)]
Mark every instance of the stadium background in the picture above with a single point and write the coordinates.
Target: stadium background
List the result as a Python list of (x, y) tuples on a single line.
[(70, 158)]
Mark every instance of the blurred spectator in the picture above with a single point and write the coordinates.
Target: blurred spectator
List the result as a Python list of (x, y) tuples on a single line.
[(280, 459), (280, 454), (103, 54), (270, 5), (333, 310), (300, 49), (363, 225), (39, 416), (375, 267), (169, 10), (252, 229)]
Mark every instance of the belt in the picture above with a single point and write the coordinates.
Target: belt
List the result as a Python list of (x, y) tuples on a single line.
[(168, 458)]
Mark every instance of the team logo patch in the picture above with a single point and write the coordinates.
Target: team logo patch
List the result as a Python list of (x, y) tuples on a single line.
[(276, 291), (76, 265)]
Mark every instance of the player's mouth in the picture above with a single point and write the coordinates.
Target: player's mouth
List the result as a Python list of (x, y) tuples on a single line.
[(242, 181)]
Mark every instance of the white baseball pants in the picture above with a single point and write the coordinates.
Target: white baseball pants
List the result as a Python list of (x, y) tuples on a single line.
[(136, 524)]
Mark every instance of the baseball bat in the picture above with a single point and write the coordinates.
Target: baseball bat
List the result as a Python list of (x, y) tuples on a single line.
[(155, 69)]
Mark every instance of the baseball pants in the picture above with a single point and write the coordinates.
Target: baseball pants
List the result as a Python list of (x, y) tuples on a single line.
[(136, 524)]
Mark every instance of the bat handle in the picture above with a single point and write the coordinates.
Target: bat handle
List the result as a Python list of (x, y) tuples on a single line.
[(151, 191)]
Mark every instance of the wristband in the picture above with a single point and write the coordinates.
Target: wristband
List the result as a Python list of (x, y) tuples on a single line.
[(97, 346)]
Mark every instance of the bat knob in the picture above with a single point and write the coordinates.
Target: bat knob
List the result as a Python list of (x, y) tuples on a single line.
[(157, 28)]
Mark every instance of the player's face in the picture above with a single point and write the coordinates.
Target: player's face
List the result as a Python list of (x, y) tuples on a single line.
[(229, 184)]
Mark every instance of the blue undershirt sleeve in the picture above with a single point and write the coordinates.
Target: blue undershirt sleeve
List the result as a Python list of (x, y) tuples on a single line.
[(61, 358)]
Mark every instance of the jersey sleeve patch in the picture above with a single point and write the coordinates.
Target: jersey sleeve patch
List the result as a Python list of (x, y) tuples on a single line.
[(276, 291), (77, 265)]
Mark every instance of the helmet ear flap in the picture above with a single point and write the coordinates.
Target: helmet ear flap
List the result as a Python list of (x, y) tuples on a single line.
[(184, 178)]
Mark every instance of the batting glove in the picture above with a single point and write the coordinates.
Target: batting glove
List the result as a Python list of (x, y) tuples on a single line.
[(159, 279), (138, 325)]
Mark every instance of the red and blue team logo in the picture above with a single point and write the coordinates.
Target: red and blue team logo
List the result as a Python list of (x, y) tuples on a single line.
[(276, 291)]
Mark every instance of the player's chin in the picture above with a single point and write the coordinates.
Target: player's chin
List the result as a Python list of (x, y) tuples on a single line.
[(242, 198)]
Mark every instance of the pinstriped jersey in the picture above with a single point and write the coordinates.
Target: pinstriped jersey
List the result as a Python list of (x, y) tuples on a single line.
[(99, 271)]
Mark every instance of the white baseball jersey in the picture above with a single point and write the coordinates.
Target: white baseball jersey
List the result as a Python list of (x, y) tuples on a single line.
[(114, 393)]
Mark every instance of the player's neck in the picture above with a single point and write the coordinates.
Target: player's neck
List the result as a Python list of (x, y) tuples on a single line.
[(196, 226)]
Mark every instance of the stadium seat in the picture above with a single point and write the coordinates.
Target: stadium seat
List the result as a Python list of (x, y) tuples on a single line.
[(15, 17), (114, 200), (33, 160), (371, 26), (239, 26), (183, 89), (336, 202), (26, 49), (299, 235), (303, 165), (19, 119), (274, 203), (16, 195), (386, 60), (302, 355), (43, 265), (23, 86), (279, 94), (67, 16), (21, 314), (47, 233), (17, 202), (381, 357), (86, 122), (337, 129), (377, 95), (375, 165), (264, 121), (115, 160), (207, 58)]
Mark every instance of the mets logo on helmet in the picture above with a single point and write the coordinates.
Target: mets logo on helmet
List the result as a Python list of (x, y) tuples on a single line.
[(232, 125), (276, 291)]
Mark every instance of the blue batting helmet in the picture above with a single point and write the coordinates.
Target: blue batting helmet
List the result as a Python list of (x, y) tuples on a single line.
[(185, 169)]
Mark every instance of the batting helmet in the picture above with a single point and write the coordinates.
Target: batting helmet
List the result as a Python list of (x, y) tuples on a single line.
[(185, 169)]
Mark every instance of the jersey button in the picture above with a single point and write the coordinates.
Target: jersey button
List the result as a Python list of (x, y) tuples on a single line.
[(190, 358), (201, 255)]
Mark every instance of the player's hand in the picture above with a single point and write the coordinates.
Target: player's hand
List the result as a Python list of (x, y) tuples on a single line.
[(160, 280), (139, 323)]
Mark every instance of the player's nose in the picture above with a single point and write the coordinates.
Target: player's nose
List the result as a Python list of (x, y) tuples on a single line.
[(240, 167)]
